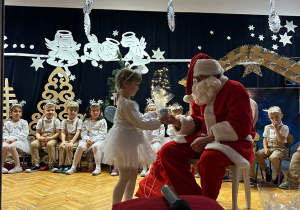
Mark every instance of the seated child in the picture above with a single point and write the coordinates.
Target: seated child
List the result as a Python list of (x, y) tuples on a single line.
[(154, 137), (293, 176), (70, 132), (94, 131), (175, 109), (47, 133), (274, 139), (15, 133)]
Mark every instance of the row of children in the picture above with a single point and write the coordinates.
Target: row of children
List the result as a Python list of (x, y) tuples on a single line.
[(92, 130)]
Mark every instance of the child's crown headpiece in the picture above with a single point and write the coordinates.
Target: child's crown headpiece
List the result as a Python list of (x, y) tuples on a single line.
[(273, 109), (73, 102), (175, 106), (93, 102), (150, 102), (51, 102), (22, 103)]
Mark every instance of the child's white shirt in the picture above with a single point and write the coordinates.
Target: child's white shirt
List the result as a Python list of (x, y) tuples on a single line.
[(15, 130), (157, 134), (70, 125), (284, 131), (48, 125), (94, 130)]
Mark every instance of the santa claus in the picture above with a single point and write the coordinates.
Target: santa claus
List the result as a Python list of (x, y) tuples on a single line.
[(220, 129)]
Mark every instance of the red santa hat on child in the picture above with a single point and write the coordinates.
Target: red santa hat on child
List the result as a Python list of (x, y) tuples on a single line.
[(201, 64)]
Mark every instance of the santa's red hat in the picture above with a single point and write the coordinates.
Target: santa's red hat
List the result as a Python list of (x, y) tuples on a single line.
[(201, 64)]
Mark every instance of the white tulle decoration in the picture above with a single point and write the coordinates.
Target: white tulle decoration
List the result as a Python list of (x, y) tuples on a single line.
[(160, 96), (274, 20), (87, 8)]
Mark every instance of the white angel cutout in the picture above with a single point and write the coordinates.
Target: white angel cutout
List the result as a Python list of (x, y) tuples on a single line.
[(63, 50), (96, 51), (137, 53)]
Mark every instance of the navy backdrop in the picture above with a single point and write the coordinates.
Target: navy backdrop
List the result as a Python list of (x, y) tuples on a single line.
[(31, 25)]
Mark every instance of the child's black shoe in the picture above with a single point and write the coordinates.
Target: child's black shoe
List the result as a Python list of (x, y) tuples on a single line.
[(268, 174)]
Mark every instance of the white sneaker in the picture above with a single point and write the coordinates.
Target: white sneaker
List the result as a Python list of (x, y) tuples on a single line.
[(143, 173), (54, 170), (96, 172), (148, 172), (115, 172), (71, 171), (4, 170), (16, 169), (197, 175)]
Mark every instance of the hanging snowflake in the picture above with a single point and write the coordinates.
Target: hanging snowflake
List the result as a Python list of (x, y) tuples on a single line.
[(87, 8), (171, 16), (274, 20)]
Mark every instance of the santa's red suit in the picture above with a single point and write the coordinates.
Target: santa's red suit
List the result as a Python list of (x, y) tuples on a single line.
[(228, 117)]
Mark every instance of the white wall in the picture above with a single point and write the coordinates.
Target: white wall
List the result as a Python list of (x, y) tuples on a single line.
[(255, 7)]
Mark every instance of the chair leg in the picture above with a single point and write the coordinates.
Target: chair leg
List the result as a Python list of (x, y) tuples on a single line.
[(247, 187), (235, 186), (279, 172)]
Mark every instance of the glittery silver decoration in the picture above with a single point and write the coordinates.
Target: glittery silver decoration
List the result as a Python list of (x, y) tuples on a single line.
[(87, 8), (274, 20), (171, 16)]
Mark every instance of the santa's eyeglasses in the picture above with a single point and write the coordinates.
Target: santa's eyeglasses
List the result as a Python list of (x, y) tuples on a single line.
[(200, 78)]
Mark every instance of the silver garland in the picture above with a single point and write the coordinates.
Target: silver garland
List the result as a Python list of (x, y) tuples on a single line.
[(274, 20), (87, 8)]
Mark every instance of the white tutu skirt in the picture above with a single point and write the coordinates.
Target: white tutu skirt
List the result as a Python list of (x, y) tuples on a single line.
[(156, 146), (99, 143), (127, 148), (20, 144)]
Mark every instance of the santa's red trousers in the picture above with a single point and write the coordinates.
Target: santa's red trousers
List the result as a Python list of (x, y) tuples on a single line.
[(211, 167)]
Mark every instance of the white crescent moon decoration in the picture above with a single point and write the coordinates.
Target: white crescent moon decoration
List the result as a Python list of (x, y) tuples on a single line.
[(171, 16)]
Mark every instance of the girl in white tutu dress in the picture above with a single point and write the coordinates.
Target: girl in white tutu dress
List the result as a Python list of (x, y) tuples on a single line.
[(154, 137), (126, 146), (15, 133)]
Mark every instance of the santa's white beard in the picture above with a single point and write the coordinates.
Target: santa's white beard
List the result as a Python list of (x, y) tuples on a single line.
[(205, 90)]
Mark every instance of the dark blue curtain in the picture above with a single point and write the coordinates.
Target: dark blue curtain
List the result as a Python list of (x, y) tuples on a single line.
[(31, 25)]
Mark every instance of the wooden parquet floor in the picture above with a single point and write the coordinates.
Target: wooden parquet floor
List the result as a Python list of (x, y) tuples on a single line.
[(45, 190)]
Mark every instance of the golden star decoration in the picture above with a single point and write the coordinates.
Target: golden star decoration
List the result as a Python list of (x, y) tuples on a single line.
[(255, 68)]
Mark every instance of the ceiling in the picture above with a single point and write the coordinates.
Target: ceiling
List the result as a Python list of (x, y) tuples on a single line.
[(254, 7)]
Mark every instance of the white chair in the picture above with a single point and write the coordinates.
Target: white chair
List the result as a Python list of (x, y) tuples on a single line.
[(235, 184)]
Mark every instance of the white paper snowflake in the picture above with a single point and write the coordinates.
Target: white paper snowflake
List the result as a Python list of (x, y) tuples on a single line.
[(199, 47), (275, 47), (115, 33), (228, 38), (100, 66), (285, 39), (261, 37), (290, 26), (274, 37), (37, 63), (211, 32), (72, 77), (158, 54), (251, 28), (114, 96), (252, 35)]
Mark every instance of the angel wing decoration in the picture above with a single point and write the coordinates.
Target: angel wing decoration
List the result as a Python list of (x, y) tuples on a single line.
[(171, 16)]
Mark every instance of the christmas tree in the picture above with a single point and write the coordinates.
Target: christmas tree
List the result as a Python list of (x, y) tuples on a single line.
[(160, 78)]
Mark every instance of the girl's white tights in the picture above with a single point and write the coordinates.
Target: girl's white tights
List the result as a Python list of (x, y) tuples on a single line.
[(13, 150), (78, 154), (125, 185)]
